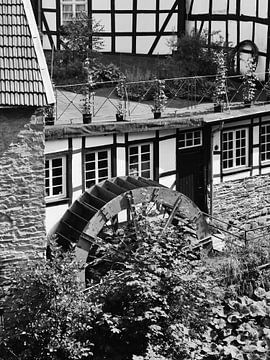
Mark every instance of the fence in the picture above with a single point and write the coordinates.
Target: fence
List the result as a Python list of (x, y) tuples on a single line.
[(184, 96)]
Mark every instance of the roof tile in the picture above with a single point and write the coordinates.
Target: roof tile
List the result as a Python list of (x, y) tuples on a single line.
[(21, 80)]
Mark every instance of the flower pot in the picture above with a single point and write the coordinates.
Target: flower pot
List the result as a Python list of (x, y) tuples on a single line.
[(119, 117), (49, 120), (247, 103), (218, 107), (157, 114), (87, 118)]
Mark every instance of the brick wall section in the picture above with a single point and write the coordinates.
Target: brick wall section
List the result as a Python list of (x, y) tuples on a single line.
[(246, 202), (22, 206)]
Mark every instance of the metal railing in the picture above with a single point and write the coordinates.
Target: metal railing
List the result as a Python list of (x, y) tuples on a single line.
[(185, 95)]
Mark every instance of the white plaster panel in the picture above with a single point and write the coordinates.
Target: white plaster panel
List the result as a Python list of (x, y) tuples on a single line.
[(101, 4), (53, 215), (53, 146), (141, 136), (256, 135), (172, 24), (167, 155), (255, 172), (146, 5), (123, 4), (232, 36), (107, 44), (168, 181), (144, 44), (51, 20), (163, 133), (248, 7), (200, 7), (261, 67), (261, 37), (123, 23), (246, 30), (104, 20), (76, 195), (216, 164), (76, 143), (146, 22), (162, 46), (263, 8), (76, 170), (120, 139), (220, 28), (45, 42), (236, 176), (121, 162), (219, 7), (255, 156), (166, 4), (98, 141), (232, 7), (123, 44), (49, 4), (265, 170)]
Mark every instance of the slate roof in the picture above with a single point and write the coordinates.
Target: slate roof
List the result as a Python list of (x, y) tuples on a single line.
[(24, 78)]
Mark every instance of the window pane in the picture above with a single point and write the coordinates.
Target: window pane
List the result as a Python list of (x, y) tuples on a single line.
[(133, 150), (90, 157), (102, 155), (57, 162), (145, 148)]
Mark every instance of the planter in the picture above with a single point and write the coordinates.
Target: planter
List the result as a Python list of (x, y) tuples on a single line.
[(87, 118), (247, 104), (157, 114), (119, 117), (218, 107), (49, 120)]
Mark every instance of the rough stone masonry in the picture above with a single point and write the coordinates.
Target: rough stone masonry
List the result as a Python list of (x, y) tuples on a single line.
[(22, 206)]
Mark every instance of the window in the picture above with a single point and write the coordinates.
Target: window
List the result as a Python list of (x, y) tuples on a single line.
[(190, 139), (97, 167), (140, 160), (234, 148), (265, 143), (72, 8), (55, 178)]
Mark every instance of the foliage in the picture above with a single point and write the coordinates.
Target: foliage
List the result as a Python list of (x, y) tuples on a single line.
[(193, 55), (249, 81), (103, 73), (220, 81), (122, 94), (160, 99), (240, 329), (145, 300), (47, 313), (77, 36)]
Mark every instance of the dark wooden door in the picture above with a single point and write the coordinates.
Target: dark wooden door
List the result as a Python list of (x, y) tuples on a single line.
[(192, 176)]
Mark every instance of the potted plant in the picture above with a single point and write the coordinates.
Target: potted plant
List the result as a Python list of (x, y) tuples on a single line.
[(122, 93), (160, 98), (88, 100), (249, 82), (49, 115), (219, 95)]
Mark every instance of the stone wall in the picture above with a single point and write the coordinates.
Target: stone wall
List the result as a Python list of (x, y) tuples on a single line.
[(22, 206), (244, 202)]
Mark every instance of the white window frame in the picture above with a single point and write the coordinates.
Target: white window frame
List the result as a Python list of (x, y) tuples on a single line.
[(264, 143), (140, 162), (97, 179), (74, 4), (63, 194), (235, 148), (187, 139)]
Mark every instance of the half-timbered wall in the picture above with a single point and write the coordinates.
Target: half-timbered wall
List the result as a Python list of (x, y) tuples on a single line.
[(152, 153), (130, 26), (236, 21)]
